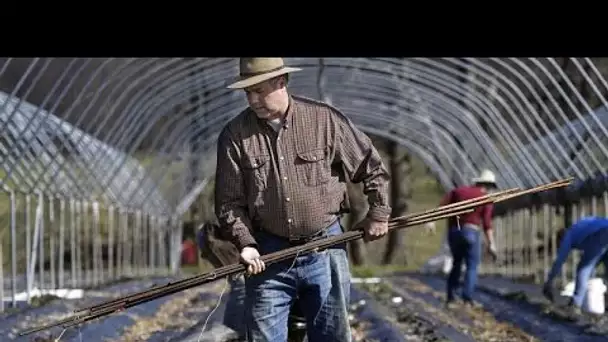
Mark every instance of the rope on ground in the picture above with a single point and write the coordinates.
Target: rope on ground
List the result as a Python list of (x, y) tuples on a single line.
[(59, 337), (217, 305)]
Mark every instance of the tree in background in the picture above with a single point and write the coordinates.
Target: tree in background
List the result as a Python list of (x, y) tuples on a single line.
[(400, 167)]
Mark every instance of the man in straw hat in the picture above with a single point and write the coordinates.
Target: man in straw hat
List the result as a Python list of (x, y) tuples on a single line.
[(281, 166), (464, 236)]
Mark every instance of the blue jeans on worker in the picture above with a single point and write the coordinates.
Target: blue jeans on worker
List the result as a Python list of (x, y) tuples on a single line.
[(465, 245), (593, 249), (321, 282), (234, 315)]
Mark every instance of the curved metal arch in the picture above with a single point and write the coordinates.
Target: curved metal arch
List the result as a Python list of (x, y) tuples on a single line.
[(148, 72), (436, 98), (517, 90), (573, 108), (172, 96), (146, 97), (441, 88), (182, 137), (138, 115), (405, 132), (117, 80), (515, 106), (164, 96), (78, 159), (449, 86), (547, 111), (18, 162), (71, 171), (440, 99), (145, 71), (17, 88), (81, 154), (498, 124), (109, 189), (444, 123), (513, 92), (417, 133), (569, 123)]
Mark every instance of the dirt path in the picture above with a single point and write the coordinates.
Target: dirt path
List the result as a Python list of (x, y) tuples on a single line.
[(500, 313), (419, 301), (403, 308)]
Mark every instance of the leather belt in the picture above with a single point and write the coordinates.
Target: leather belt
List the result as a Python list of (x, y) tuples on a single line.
[(301, 239), (470, 226)]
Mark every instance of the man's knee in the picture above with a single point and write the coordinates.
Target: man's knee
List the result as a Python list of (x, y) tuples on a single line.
[(267, 307), (326, 307), (267, 321)]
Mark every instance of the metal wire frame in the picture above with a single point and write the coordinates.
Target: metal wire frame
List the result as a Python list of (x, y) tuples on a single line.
[(208, 110), (427, 95), (46, 156), (528, 160), (436, 82), (457, 115)]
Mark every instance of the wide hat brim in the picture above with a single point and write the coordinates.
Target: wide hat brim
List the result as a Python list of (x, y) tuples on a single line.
[(249, 81), (484, 180)]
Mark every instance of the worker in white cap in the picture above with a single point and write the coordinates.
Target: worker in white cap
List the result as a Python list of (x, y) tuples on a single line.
[(464, 236)]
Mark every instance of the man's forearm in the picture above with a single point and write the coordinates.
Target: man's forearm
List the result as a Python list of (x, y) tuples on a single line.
[(377, 191), (238, 228), (230, 194), (376, 186), (490, 236)]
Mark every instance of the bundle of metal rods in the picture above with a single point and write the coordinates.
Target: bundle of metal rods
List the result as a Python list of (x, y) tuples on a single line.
[(439, 213)]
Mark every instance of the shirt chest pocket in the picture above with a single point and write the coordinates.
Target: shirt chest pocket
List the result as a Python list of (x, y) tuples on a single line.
[(256, 170), (313, 167)]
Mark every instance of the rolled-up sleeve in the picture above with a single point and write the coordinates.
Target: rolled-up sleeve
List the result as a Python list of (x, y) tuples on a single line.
[(230, 197), (362, 163)]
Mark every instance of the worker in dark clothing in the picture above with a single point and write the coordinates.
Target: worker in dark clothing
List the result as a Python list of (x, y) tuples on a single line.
[(464, 237)]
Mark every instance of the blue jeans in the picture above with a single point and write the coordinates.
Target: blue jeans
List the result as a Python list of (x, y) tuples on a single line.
[(321, 282), (234, 315), (593, 249), (465, 245)]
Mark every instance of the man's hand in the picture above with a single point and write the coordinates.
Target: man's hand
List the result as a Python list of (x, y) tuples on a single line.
[(548, 292), (373, 229), (251, 257), (493, 252)]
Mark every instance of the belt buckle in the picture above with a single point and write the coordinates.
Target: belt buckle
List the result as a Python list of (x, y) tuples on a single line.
[(298, 240)]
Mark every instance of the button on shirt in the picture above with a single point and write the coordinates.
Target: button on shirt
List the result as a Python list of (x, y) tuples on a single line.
[(288, 180)]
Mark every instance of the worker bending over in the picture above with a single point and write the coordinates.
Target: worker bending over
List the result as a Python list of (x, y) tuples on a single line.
[(590, 236), (464, 236)]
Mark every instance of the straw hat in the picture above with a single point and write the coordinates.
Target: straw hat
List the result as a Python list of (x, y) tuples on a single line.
[(259, 69), (486, 177)]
